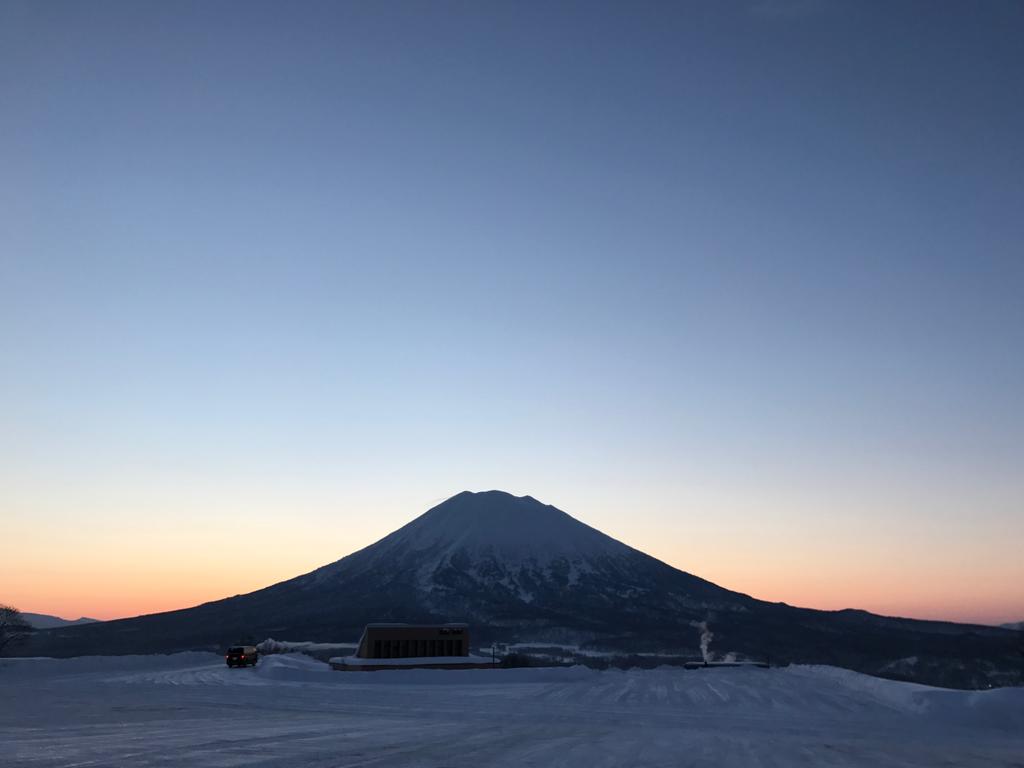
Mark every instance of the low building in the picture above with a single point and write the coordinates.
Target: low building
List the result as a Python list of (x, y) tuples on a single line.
[(405, 646)]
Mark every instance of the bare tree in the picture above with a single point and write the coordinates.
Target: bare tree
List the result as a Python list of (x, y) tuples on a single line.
[(13, 627)]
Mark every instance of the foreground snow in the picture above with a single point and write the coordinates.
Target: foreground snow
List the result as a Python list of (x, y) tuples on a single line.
[(191, 710)]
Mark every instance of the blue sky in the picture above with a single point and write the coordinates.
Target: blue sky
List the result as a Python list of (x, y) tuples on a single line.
[(677, 268)]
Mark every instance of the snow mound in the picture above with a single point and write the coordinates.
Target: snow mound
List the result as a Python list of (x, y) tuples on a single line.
[(275, 669), (270, 645)]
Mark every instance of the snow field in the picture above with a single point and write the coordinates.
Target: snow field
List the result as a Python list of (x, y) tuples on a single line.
[(191, 710)]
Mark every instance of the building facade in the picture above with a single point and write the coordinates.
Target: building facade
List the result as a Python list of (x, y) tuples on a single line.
[(406, 641), (412, 646)]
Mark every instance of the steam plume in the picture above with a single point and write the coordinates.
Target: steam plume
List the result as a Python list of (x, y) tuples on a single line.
[(706, 636)]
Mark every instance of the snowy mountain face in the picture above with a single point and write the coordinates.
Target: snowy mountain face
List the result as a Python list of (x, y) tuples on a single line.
[(503, 558), (492, 530), (520, 571), (499, 526), (499, 541)]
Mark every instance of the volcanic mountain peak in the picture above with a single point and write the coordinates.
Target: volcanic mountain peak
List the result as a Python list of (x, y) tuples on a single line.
[(506, 526)]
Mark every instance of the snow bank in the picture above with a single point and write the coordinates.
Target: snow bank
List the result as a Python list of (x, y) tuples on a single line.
[(45, 667), (270, 645)]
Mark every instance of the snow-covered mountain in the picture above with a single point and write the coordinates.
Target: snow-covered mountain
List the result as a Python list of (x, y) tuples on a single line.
[(520, 571), (504, 556), (46, 621)]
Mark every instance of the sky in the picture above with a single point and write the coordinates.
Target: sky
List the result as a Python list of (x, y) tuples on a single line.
[(740, 284)]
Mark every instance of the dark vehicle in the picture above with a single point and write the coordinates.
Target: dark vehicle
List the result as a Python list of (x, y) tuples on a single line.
[(242, 656)]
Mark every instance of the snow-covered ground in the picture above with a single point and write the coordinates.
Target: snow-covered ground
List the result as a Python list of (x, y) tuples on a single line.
[(191, 710)]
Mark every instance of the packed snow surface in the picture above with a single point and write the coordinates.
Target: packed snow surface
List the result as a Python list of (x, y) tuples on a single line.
[(191, 710)]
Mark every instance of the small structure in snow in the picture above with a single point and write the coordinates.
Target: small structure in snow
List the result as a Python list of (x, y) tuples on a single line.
[(718, 664), (412, 646)]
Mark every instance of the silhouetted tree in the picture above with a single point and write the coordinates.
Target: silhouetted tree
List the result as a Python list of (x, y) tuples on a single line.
[(13, 627)]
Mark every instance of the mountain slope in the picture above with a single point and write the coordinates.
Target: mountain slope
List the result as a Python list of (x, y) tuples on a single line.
[(46, 621), (518, 570)]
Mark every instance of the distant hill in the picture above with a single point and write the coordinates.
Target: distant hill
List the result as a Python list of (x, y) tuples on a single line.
[(1014, 625), (45, 621), (520, 571)]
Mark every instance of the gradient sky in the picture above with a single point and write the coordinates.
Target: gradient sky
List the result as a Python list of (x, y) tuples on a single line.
[(740, 284)]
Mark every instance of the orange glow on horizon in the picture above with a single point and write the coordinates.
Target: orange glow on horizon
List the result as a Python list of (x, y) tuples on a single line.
[(154, 563), (110, 594)]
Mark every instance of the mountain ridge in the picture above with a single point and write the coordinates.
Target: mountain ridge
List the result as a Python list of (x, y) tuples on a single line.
[(46, 621)]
